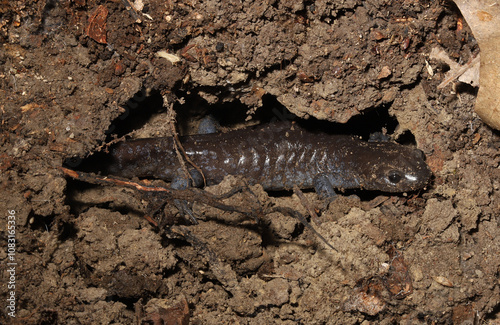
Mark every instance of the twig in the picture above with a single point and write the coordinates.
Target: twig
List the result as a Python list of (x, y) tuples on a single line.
[(302, 220), (306, 204), (190, 194), (458, 72), (223, 272), (131, 9), (94, 179), (179, 148)]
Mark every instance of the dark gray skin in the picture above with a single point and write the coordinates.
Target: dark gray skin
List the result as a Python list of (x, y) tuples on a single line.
[(278, 157)]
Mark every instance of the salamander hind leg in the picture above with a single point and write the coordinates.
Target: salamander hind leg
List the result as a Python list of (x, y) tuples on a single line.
[(181, 182)]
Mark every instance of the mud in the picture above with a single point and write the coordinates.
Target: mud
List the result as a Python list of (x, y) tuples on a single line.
[(84, 253)]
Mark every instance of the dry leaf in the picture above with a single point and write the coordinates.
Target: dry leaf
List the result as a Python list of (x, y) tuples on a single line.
[(96, 28), (467, 73), (170, 57), (483, 17), (443, 281)]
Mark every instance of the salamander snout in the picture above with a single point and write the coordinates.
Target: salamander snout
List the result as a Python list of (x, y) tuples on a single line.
[(397, 169), (400, 180), (410, 174)]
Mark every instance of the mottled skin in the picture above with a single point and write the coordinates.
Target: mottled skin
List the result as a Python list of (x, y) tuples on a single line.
[(279, 157)]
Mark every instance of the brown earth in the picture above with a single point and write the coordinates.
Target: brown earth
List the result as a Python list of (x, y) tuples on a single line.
[(73, 73)]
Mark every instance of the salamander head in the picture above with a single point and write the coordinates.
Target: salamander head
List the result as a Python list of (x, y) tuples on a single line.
[(397, 169)]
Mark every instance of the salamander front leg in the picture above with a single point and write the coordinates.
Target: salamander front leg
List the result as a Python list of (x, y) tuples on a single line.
[(324, 187), (181, 183)]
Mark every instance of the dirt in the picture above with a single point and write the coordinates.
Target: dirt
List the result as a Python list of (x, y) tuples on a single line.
[(74, 74)]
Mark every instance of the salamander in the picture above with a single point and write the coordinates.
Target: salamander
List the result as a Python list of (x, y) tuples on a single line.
[(277, 157)]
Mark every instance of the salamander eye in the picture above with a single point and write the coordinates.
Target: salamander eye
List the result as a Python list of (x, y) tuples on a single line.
[(394, 176)]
